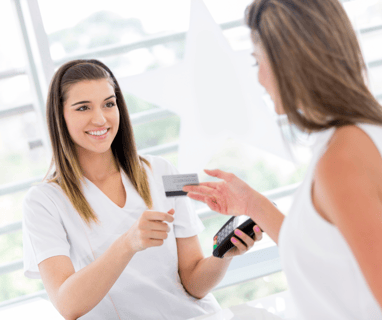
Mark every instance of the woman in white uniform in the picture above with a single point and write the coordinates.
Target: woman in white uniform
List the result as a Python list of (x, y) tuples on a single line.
[(330, 243), (100, 231)]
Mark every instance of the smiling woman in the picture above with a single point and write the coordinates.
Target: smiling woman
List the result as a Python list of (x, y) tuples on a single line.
[(92, 121), (82, 102), (87, 228)]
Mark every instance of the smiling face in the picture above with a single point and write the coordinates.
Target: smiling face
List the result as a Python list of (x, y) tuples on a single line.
[(91, 115), (266, 76)]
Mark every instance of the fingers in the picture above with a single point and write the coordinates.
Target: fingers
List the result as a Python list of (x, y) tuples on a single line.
[(249, 242), (151, 230), (197, 188), (258, 234), (213, 204), (241, 247), (210, 184), (155, 221), (209, 201), (155, 243), (156, 226), (201, 189), (196, 197), (158, 216), (219, 174), (157, 235)]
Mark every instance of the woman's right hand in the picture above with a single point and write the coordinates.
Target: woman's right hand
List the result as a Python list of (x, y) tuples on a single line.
[(232, 196), (150, 230), (65, 285)]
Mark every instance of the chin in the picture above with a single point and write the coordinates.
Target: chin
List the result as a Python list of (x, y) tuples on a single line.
[(102, 151), (94, 151), (279, 110)]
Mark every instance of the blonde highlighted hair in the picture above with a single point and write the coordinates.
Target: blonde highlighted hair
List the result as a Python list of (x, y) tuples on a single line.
[(67, 171), (317, 62)]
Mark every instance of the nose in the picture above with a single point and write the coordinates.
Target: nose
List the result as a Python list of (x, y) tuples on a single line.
[(98, 118)]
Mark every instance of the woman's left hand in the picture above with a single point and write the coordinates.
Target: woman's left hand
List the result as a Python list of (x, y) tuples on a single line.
[(239, 248)]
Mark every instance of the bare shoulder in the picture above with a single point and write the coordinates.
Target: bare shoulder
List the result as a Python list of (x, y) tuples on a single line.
[(347, 192), (351, 152), (351, 168)]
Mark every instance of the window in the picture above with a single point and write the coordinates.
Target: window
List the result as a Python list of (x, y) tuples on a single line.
[(132, 40), (23, 157)]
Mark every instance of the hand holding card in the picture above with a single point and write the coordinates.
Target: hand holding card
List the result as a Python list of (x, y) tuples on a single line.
[(173, 184)]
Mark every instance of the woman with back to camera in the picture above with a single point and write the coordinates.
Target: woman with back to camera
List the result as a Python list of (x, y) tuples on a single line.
[(100, 232), (331, 242)]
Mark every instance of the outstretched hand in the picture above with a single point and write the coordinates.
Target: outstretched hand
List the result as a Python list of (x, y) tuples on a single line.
[(232, 196)]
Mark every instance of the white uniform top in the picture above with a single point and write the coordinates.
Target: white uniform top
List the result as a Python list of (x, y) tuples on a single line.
[(323, 275), (150, 286)]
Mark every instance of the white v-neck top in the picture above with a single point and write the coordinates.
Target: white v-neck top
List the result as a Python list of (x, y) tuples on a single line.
[(150, 286), (323, 275)]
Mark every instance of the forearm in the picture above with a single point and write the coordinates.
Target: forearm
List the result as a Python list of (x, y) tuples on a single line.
[(205, 276), (83, 290), (267, 216)]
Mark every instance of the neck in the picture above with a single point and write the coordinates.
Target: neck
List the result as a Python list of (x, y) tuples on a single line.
[(97, 166)]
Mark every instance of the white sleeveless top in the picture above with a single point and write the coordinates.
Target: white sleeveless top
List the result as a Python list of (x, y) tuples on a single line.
[(323, 276)]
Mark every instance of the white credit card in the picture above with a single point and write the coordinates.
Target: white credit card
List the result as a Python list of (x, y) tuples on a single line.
[(173, 184)]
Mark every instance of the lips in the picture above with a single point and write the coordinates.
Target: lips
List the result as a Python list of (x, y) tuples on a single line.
[(99, 133)]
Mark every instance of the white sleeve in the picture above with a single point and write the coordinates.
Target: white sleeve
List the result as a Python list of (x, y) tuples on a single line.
[(187, 223), (44, 235)]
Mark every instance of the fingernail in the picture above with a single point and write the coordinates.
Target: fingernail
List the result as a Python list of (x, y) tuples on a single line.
[(238, 232), (257, 229), (233, 239)]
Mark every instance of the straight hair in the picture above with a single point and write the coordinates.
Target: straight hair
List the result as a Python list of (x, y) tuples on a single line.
[(67, 170), (317, 62)]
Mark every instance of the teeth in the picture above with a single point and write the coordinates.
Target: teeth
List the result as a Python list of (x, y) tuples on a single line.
[(97, 133)]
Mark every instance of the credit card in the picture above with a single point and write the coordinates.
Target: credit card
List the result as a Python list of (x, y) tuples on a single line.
[(173, 184)]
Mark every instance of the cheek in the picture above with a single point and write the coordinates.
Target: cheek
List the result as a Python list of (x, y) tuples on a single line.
[(263, 77), (260, 76), (116, 118), (266, 80), (68, 121), (73, 123)]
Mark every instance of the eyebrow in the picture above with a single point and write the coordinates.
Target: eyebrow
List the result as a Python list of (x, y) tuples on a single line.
[(86, 101)]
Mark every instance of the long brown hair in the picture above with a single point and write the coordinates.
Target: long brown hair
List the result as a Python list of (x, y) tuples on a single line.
[(317, 62), (68, 173)]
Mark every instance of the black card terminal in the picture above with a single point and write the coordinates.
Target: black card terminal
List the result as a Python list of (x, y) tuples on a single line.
[(222, 240)]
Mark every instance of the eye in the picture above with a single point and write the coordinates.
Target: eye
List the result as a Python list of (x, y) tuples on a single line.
[(82, 108), (110, 104)]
